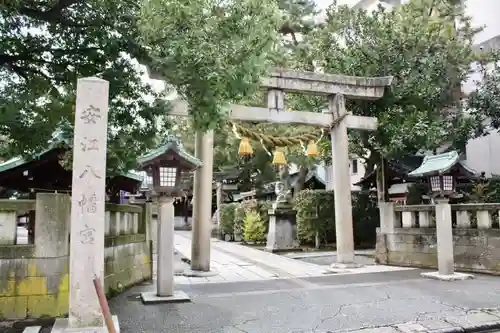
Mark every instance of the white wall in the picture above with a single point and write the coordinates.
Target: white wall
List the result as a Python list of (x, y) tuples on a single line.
[(355, 176)]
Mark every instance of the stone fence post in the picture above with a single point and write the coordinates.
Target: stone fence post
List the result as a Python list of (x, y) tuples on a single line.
[(387, 217), (52, 222)]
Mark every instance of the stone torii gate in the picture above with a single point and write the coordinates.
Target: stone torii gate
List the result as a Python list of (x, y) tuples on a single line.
[(336, 118)]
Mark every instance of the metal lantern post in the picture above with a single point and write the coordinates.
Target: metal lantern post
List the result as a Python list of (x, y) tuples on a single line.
[(165, 165)]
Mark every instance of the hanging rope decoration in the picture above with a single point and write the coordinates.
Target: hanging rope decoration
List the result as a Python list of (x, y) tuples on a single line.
[(275, 143)]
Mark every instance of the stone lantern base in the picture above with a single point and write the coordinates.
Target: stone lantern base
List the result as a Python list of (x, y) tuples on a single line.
[(282, 235)]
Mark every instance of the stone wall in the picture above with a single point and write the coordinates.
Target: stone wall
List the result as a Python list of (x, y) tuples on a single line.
[(407, 237), (34, 278), (128, 248)]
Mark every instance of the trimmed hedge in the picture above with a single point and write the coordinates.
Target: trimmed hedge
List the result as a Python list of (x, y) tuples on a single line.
[(316, 215), (227, 218), (233, 216), (255, 230)]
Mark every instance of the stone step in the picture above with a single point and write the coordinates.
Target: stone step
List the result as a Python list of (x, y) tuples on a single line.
[(32, 329)]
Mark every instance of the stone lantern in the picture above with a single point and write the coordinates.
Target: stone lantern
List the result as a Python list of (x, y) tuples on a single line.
[(442, 186), (165, 165)]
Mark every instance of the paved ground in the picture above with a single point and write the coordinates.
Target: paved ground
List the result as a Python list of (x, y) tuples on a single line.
[(363, 257), (259, 292), (237, 263), (323, 304)]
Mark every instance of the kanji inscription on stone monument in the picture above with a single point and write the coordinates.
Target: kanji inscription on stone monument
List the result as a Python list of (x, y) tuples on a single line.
[(88, 199)]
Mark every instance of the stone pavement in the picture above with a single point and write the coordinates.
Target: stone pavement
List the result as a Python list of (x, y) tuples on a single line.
[(369, 303), (237, 263)]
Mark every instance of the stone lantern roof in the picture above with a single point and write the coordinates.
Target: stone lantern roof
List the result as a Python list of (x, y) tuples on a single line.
[(436, 164)]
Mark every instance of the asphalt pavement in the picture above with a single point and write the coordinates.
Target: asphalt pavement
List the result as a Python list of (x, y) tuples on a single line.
[(333, 303)]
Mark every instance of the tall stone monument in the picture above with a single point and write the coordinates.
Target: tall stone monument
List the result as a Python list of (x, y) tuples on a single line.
[(87, 208)]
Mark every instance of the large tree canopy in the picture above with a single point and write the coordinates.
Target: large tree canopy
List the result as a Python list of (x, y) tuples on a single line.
[(212, 52), (46, 46), (419, 44)]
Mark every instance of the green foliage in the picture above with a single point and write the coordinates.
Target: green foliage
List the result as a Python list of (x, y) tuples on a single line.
[(264, 207), (247, 206), (255, 229), (415, 192), (227, 218), (485, 101), (484, 192), (418, 45), (211, 52), (315, 214), (366, 218), (46, 47)]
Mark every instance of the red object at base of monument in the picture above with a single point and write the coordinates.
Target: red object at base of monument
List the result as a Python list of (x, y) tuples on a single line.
[(104, 305)]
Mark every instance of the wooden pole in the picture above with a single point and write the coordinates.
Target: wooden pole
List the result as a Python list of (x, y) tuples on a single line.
[(108, 320)]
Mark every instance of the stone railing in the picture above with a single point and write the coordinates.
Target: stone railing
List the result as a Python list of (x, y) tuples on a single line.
[(407, 236), (128, 246), (10, 212), (34, 278)]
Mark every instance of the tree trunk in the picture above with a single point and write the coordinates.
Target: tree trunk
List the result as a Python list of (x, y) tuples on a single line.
[(301, 179)]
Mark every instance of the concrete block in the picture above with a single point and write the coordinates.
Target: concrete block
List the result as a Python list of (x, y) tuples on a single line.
[(32, 329), (451, 277), (32, 285), (61, 326), (385, 329), (48, 305), (13, 307), (475, 321), (195, 273), (153, 298), (411, 327)]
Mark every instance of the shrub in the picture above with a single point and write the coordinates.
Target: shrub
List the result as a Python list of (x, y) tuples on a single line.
[(315, 215), (227, 218), (240, 212), (245, 207), (366, 218), (264, 207), (255, 230), (415, 193)]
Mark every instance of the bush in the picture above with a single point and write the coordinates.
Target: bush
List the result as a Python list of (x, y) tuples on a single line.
[(415, 193), (316, 214), (241, 210), (227, 218), (366, 218), (264, 207), (247, 206), (255, 230)]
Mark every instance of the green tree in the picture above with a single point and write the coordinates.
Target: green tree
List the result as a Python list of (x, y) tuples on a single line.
[(429, 56), (484, 102), (297, 19), (46, 47), (211, 52)]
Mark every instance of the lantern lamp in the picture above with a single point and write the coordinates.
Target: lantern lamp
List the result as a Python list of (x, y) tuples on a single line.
[(442, 184), (312, 149), (165, 166), (245, 148), (279, 158), (437, 168)]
